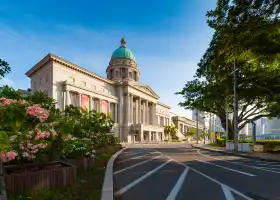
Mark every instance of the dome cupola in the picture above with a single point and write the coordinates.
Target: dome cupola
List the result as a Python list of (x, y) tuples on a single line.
[(122, 66), (123, 52)]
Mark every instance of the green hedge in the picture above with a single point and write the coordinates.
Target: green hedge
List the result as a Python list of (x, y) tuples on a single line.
[(270, 145), (221, 142)]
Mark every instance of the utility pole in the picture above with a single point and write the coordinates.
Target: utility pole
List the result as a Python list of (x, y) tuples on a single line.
[(235, 107), (196, 126), (226, 120)]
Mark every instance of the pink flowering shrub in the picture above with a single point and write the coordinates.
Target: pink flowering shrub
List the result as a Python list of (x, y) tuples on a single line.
[(36, 111), (11, 155)]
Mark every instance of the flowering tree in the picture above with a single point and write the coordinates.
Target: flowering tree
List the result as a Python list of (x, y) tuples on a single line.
[(21, 131)]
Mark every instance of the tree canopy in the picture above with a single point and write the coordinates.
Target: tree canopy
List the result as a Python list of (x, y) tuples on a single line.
[(4, 68), (239, 37)]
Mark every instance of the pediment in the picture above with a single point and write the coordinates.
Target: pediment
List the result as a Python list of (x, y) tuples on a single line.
[(146, 89)]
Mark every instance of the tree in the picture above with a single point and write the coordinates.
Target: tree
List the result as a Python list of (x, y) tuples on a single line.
[(234, 23), (41, 98), (9, 92), (170, 130), (191, 132), (4, 68)]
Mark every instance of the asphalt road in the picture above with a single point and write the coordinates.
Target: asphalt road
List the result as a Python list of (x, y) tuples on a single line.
[(180, 172)]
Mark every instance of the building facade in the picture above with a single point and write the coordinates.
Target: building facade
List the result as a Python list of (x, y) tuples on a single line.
[(135, 107)]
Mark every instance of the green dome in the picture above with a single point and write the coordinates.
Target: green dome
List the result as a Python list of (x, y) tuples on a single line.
[(123, 52)]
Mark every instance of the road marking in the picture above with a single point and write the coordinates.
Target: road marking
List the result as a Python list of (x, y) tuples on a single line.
[(132, 184), (234, 170), (261, 164), (133, 153), (141, 163), (173, 194), (136, 157), (206, 176), (227, 193), (238, 163)]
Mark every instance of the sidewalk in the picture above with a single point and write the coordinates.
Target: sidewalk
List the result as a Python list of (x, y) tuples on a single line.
[(261, 156)]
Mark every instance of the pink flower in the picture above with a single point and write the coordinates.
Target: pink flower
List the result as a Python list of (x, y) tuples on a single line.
[(11, 155), (36, 111), (42, 135), (4, 100), (3, 157), (68, 137)]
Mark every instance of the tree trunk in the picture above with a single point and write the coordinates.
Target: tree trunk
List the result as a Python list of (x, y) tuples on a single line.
[(230, 127)]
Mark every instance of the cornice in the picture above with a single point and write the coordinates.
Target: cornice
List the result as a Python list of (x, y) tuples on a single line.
[(137, 88), (54, 58)]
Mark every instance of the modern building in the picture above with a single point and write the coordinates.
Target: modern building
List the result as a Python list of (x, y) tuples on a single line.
[(134, 106)]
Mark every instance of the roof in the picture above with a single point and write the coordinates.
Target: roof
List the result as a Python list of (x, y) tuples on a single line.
[(51, 57), (164, 105), (123, 52)]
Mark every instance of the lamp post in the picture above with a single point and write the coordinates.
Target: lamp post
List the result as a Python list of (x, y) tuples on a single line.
[(235, 107), (196, 126)]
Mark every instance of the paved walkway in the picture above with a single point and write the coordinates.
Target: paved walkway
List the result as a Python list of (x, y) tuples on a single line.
[(262, 156), (179, 172)]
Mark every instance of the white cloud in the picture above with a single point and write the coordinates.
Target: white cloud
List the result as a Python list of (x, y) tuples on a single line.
[(6, 81)]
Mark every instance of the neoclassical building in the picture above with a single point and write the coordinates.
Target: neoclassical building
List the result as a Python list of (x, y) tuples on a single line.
[(135, 107)]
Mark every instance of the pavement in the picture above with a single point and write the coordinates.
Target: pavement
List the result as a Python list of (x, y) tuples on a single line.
[(178, 171), (257, 155)]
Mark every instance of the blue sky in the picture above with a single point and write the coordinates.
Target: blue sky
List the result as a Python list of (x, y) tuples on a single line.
[(167, 38)]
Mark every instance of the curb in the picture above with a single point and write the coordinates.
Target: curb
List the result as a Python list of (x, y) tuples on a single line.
[(107, 188), (238, 154)]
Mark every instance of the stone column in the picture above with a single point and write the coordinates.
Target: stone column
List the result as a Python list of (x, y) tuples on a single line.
[(154, 114), (127, 108), (66, 100), (131, 108), (139, 111), (90, 103), (144, 112), (80, 99), (141, 136), (147, 113), (99, 107), (116, 113), (109, 107)]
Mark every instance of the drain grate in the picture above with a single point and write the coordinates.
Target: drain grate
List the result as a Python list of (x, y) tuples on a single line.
[(255, 197)]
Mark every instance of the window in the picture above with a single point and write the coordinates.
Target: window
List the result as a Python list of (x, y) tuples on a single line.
[(123, 72), (130, 75), (93, 87), (117, 74), (84, 83), (161, 121)]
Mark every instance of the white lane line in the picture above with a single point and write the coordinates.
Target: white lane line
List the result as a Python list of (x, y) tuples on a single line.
[(227, 193), (234, 170), (206, 176), (141, 163), (174, 192), (136, 157), (260, 164), (130, 154), (132, 184), (241, 164)]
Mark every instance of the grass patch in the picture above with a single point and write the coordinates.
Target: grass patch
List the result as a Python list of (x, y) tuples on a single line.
[(88, 186)]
